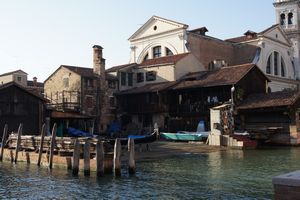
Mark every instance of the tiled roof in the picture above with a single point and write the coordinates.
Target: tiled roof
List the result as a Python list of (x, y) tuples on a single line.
[(152, 87), (163, 60), (117, 68), (275, 99), (83, 71), (223, 76), (87, 72), (245, 53), (16, 71), (38, 84), (247, 38), (10, 84)]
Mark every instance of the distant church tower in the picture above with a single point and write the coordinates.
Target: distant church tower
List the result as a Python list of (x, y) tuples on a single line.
[(288, 16)]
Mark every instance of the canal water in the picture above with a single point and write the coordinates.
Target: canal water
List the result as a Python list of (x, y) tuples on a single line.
[(231, 174)]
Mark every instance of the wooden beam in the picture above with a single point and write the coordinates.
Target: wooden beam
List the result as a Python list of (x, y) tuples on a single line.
[(117, 157), (100, 158), (86, 157), (52, 145), (76, 157), (131, 159), (41, 144), (3, 141), (18, 142)]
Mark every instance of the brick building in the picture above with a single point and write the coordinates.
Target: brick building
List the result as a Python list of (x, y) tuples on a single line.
[(82, 97)]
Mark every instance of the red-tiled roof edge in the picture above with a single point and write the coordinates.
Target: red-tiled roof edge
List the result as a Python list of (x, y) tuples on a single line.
[(164, 60)]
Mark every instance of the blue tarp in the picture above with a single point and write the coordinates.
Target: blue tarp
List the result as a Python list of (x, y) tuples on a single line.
[(78, 133)]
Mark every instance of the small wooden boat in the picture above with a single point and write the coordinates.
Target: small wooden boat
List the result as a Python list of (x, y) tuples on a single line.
[(138, 139), (185, 136)]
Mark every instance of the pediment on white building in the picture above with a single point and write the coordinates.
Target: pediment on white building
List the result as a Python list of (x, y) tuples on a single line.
[(276, 33), (156, 26)]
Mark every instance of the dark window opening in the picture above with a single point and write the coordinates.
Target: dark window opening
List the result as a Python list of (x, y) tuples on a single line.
[(130, 79), (123, 78), (146, 57), (268, 70), (157, 52), (169, 52), (140, 77), (290, 18), (151, 76), (112, 84), (282, 67), (282, 19), (275, 62)]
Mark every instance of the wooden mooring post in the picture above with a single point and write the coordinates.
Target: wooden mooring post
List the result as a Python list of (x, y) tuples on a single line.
[(3, 141), (76, 157), (86, 158), (131, 159), (18, 142), (41, 144), (117, 157), (100, 158), (52, 145)]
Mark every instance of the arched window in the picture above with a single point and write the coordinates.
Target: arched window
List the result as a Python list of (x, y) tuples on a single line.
[(283, 74), (146, 57), (268, 69), (282, 19), (276, 62), (169, 52), (157, 52), (276, 65), (290, 18)]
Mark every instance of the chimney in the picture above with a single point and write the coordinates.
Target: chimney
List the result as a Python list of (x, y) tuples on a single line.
[(98, 61), (34, 81)]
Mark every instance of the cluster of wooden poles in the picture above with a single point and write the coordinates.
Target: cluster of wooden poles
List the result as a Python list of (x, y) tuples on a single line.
[(76, 153)]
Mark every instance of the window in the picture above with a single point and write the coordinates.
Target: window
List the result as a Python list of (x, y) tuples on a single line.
[(146, 57), (66, 82), (282, 19), (89, 82), (157, 52), (290, 18), (276, 65), (130, 79), (268, 70), (282, 67), (112, 84), (19, 78), (275, 62), (151, 76), (123, 78), (169, 52), (140, 77)]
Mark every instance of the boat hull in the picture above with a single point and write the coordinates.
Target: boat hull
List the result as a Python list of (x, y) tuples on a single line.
[(182, 136)]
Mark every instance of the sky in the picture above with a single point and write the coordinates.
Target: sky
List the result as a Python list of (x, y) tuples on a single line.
[(38, 36)]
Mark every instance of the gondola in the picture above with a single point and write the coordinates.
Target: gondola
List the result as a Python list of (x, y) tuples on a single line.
[(138, 139)]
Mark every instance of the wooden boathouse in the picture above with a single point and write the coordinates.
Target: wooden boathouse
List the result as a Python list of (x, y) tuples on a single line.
[(20, 105), (272, 117)]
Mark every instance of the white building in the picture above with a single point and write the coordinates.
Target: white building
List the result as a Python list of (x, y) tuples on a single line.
[(158, 37), (288, 17)]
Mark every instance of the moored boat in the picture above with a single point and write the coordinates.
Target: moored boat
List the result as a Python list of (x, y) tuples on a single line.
[(185, 136), (138, 139)]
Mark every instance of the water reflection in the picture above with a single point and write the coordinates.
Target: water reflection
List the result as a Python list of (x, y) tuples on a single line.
[(232, 174)]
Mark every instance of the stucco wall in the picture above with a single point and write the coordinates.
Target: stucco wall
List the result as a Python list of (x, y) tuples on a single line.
[(55, 83)]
